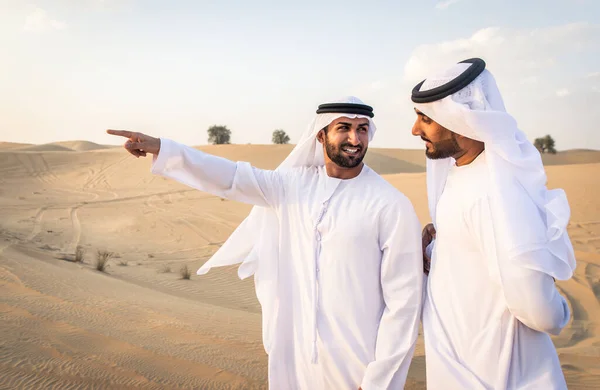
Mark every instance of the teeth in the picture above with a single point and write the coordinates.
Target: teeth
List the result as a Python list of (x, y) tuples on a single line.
[(350, 150)]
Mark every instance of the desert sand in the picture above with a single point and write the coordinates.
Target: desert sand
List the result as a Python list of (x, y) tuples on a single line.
[(138, 324)]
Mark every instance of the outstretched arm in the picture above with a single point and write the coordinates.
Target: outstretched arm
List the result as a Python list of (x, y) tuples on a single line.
[(402, 287), (237, 181)]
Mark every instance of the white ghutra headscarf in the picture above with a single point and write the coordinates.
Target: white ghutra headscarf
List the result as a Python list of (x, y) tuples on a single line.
[(515, 167)]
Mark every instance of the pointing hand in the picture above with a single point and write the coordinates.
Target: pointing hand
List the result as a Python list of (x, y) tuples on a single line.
[(138, 144)]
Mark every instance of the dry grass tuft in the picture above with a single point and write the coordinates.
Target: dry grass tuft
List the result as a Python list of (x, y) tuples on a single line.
[(79, 254), (185, 272), (102, 259)]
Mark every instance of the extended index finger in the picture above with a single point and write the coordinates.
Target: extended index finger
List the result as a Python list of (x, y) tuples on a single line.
[(122, 133)]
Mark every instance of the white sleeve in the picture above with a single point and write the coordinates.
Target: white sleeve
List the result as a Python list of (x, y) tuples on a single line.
[(402, 286), (237, 181), (531, 295)]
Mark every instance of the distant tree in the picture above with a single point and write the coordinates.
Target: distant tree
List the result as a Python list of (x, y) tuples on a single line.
[(218, 135), (539, 144), (280, 137), (545, 144), (549, 142)]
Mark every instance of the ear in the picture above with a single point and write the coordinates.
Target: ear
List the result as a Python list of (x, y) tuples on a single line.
[(320, 136)]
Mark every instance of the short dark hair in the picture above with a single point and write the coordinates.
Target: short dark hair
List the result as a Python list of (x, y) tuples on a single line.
[(325, 129)]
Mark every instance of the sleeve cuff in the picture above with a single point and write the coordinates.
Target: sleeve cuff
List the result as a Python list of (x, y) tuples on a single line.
[(159, 162)]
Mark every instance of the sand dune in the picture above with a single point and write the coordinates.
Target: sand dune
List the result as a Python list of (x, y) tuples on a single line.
[(62, 146), (568, 157), (12, 145), (412, 156), (66, 325), (81, 145), (384, 161), (576, 156), (45, 148)]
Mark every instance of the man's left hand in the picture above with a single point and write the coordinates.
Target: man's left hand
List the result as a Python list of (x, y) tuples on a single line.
[(426, 238)]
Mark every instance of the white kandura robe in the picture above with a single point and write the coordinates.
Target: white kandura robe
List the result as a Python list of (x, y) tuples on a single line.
[(350, 251), (486, 322)]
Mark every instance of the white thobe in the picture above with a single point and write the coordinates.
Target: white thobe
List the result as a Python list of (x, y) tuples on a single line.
[(486, 322), (353, 288)]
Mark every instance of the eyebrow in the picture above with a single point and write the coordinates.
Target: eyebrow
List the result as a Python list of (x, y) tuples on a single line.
[(422, 115), (350, 124)]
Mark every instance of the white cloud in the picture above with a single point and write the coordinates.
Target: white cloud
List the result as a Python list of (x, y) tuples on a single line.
[(520, 53), (107, 5), (530, 80), (39, 21), (535, 68), (377, 85), (445, 4)]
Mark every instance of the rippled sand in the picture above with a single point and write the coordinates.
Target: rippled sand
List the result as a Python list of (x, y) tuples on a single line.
[(138, 324)]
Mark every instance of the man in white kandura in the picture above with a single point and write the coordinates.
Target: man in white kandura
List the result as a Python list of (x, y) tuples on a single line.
[(335, 251), (499, 239)]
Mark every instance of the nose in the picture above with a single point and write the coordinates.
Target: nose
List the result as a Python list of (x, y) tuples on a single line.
[(353, 137), (416, 130)]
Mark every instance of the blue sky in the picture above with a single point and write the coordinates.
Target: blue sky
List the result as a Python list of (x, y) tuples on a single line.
[(70, 69)]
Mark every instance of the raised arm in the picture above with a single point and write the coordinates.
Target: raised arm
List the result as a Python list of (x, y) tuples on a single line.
[(402, 287), (237, 181), (531, 295)]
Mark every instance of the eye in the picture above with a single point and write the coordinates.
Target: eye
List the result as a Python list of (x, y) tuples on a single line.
[(426, 119)]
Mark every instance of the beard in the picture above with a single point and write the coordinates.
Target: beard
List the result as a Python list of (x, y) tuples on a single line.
[(443, 149), (340, 158)]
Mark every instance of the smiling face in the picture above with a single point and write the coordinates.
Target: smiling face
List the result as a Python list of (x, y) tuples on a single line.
[(439, 141), (345, 141)]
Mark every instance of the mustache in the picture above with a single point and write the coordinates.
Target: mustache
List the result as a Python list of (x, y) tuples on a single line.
[(347, 145), (425, 139)]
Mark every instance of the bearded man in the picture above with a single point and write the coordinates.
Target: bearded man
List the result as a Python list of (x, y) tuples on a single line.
[(498, 240), (335, 251)]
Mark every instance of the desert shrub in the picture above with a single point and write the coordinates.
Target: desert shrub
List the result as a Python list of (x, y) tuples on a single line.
[(185, 272), (102, 259), (79, 254)]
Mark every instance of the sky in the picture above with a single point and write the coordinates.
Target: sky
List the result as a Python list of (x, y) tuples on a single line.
[(70, 69)]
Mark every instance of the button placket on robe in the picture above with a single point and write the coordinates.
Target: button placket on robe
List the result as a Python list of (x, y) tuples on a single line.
[(318, 238)]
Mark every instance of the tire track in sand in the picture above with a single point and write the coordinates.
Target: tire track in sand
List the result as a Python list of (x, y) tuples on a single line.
[(76, 228), (101, 174), (27, 162), (37, 225)]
